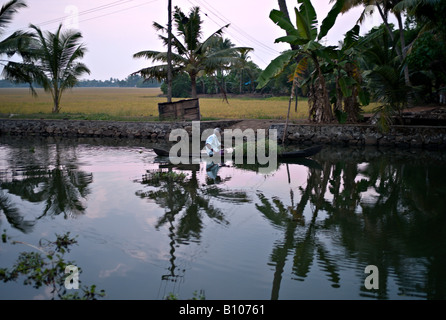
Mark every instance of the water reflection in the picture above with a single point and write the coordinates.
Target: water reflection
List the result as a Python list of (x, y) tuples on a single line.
[(183, 200), (349, 208), (46, 174), (378, 208), (389, 211), (186, 203)]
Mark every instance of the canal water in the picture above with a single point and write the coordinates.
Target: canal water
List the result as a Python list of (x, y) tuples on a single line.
[(349, 223)]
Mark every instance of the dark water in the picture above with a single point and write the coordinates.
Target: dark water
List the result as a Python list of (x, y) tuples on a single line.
[(306, 230)]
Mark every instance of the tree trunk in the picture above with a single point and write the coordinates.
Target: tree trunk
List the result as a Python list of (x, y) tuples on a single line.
[(403, 48), (400, 51), (386, 23), (323, 110), (193, 82), (284, 9), (241, 80), (169, 53), (56, 107), (56, 99), (319, 102)]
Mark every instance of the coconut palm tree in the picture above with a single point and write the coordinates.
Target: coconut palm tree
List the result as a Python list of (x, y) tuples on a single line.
[(385, 76), (53, 62), (16, 43), (243, 66), (189, 54), (428, 14), (384, 7)]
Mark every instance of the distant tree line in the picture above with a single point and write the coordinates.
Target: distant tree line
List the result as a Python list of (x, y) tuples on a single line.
[(129, 82), (132, 81)]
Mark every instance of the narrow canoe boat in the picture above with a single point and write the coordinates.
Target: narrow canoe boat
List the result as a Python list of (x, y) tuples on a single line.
[(308, 152), (165, 153)]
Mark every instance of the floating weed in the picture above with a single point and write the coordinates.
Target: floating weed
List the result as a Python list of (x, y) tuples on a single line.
[(46, 266)]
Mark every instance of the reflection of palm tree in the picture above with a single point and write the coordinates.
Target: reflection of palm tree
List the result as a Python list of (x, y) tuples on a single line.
[(13, 215), (182, 196), (383, 229), (60, 189), (303, 247), (63, 191), (291, 219), (59, 184), (398, 218)]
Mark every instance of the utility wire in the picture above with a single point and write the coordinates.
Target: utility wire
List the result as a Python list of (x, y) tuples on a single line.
[(242, 32), (239, 31), (96, 9), (99, 8), (125, 9)]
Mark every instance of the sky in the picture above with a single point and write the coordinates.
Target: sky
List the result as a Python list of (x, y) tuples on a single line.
[(114, 30)]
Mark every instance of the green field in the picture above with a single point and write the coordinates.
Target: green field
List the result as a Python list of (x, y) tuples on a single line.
[(136, 104)]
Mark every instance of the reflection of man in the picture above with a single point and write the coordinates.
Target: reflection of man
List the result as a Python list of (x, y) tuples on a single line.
[(213, 143), (212, 169)]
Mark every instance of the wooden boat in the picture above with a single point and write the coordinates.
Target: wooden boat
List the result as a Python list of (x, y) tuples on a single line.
[(165, 153), (161, 152), (304, 153), (307, 152)]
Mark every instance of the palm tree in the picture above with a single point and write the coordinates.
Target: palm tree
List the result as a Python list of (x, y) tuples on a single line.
[(221, 44), (384, 7), (16, 42), (53, 62), (190, 55), (385, 75), (244, 65), (428, 14)]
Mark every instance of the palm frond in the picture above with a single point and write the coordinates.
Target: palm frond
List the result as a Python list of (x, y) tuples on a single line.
[(211, 40), (149, 54), (411, 5), (189, 27), (157, 56), (17, 72), (8, 11), (158, 72), (15, 43), (159, 27)]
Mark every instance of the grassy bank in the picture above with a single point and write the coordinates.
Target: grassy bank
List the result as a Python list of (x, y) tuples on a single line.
[(136, 104)]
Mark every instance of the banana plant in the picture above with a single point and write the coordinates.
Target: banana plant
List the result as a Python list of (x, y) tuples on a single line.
[(350, 94), (305, 37)]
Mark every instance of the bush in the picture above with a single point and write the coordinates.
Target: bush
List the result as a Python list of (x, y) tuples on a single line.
[(181, 86)]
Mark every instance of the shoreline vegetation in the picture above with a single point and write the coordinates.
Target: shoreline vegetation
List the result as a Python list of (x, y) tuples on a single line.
[(141, 104)]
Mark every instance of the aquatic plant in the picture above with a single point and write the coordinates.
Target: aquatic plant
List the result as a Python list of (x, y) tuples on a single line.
[(46, 266)]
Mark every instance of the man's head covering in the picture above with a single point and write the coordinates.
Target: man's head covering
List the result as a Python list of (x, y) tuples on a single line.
[(217, 131)]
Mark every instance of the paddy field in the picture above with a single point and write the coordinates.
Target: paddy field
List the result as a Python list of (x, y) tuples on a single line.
[(134, 104)]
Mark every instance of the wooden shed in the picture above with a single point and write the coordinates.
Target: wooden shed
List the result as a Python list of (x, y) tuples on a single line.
[(180, 110)]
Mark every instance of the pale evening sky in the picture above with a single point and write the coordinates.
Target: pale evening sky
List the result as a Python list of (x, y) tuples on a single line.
[(113, 30)]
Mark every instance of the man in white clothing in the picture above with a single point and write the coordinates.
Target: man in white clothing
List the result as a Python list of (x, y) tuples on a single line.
[(213, 143)]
